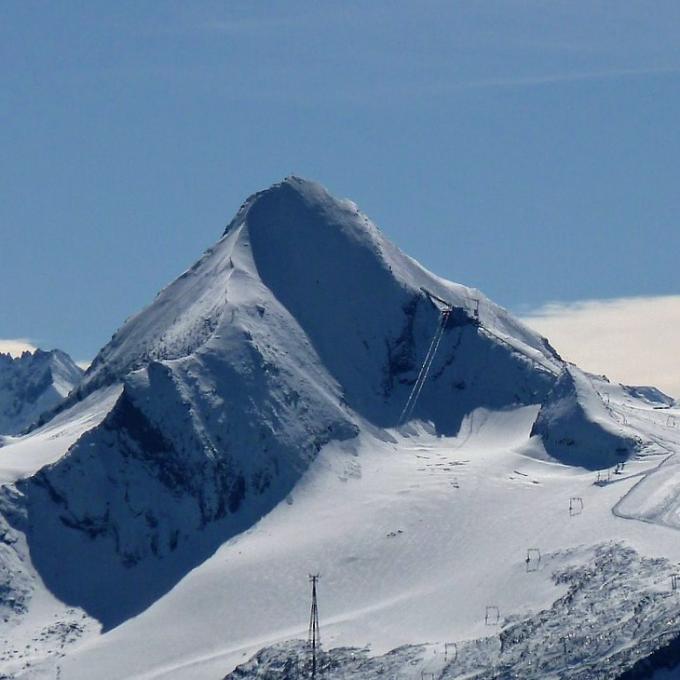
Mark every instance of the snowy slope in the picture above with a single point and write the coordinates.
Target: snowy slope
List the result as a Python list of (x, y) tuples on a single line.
[(34, 625), (577, 426), (249, 426), (414, 536), (32, 384)]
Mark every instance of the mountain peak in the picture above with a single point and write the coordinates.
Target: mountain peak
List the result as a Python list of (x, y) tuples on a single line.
[(301, 186), (290, 190), (330, 267)]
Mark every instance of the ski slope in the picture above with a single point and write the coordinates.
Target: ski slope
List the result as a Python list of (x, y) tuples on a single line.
[(414, 535)]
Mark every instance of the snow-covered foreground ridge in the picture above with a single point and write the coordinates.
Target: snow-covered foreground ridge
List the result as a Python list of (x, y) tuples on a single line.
[(258, 422)]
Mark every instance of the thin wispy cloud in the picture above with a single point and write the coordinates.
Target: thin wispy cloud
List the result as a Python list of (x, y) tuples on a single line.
[(556, 78), (631, 340)]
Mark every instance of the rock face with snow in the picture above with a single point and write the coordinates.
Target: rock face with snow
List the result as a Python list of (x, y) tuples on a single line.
[(614, 622), (652, 395), (577, 427), (303, 325), (32, 384)]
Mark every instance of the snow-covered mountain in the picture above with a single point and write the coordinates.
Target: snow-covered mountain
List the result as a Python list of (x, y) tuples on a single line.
[(32, 384), (305, 398), (302, 325)]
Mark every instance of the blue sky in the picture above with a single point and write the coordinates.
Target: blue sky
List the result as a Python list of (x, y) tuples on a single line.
[(530, 149)]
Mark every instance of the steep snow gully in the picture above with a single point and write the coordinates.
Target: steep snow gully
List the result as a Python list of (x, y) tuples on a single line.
[(308, 398)]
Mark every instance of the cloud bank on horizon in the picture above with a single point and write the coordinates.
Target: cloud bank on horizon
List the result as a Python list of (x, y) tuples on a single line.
[(632, 340), (16, 346)]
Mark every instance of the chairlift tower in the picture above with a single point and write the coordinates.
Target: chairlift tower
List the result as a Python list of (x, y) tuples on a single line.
[(314, 639)]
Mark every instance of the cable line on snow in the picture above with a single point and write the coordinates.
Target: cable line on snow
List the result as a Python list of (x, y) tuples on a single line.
[(427, 364)]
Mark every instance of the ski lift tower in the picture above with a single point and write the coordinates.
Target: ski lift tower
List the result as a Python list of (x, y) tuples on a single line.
[(314, 639)]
